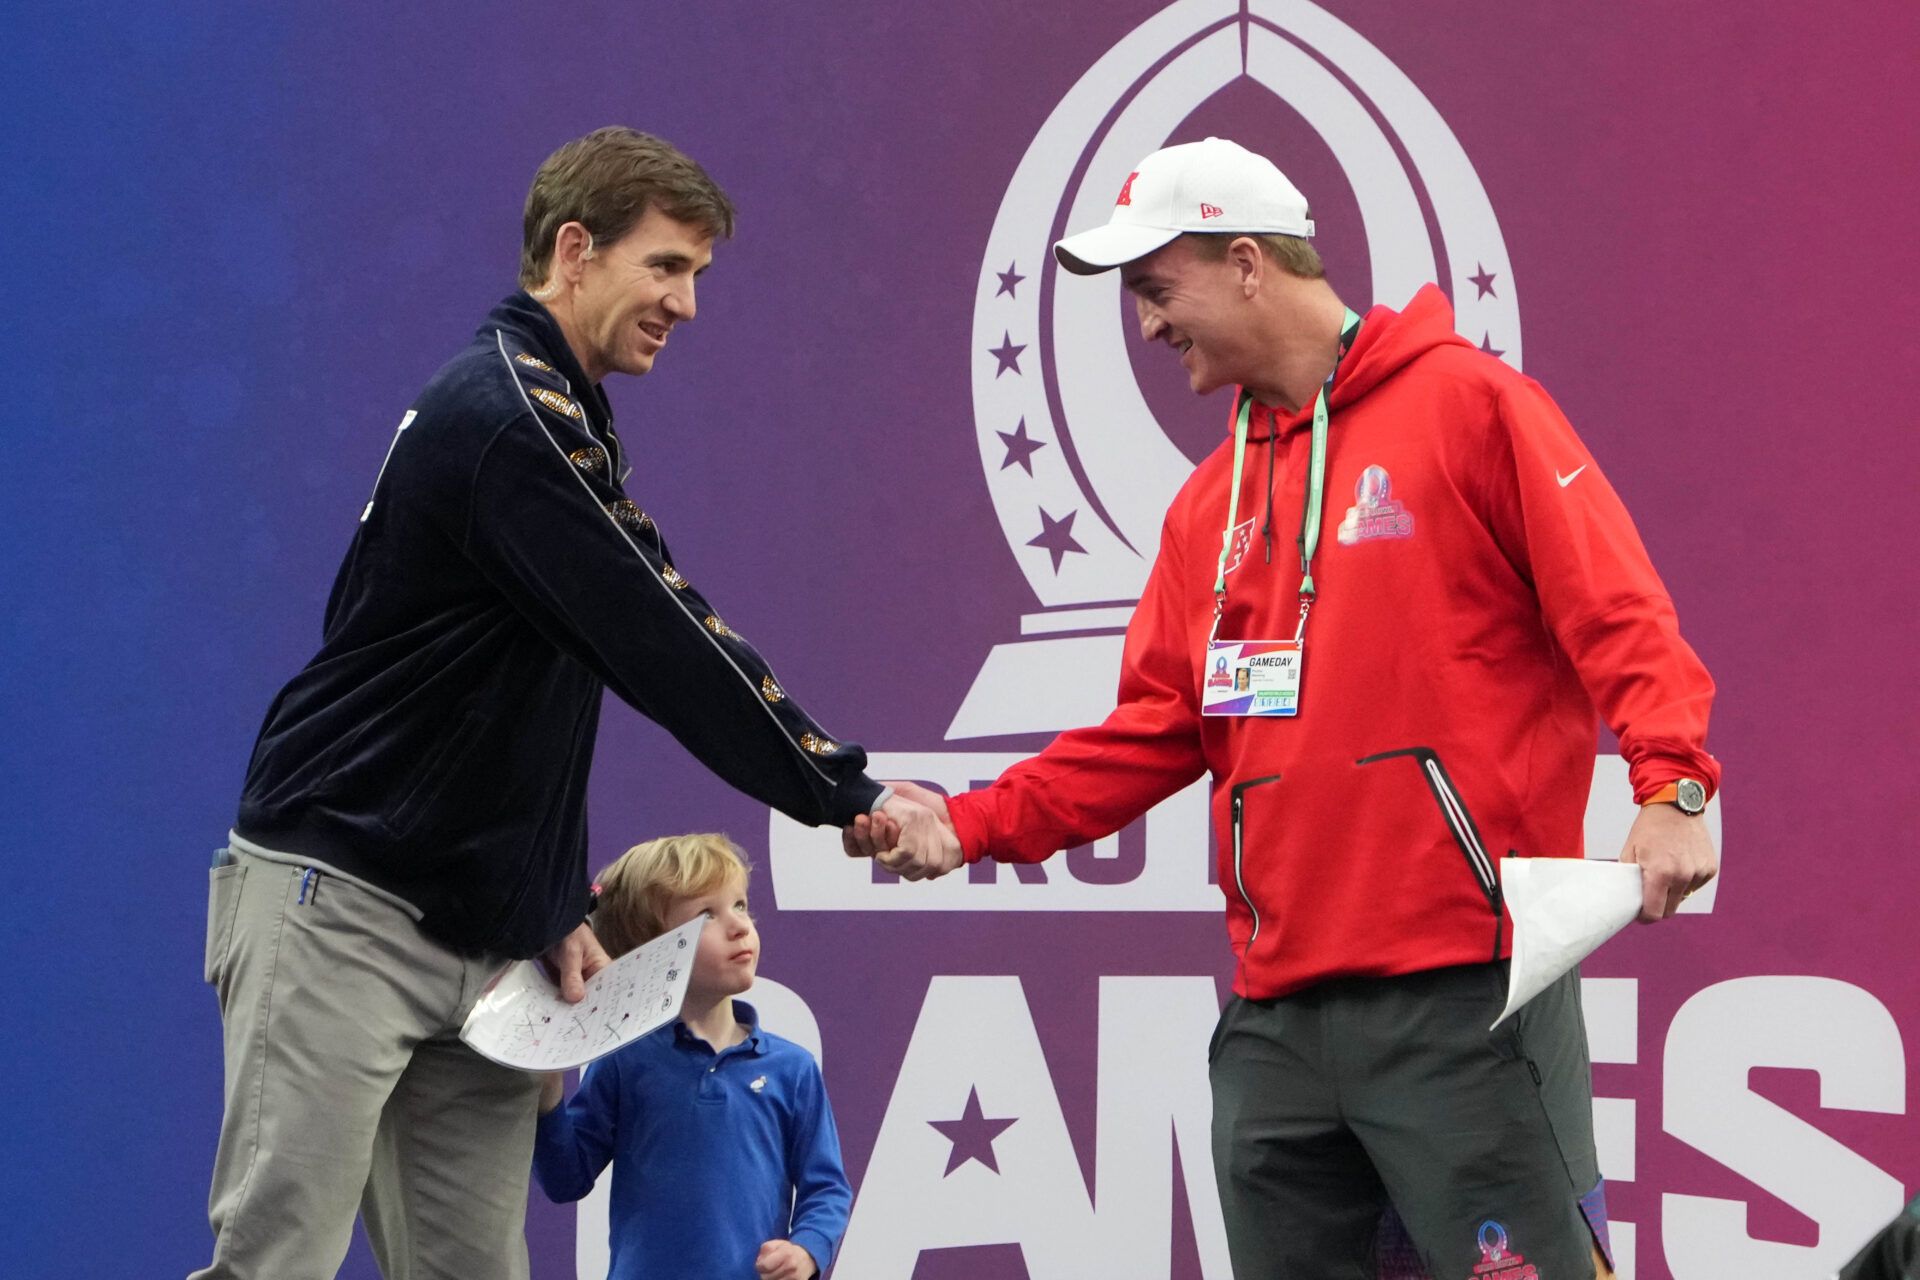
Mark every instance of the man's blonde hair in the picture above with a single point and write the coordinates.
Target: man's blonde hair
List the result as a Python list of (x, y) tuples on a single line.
[(1292, 254), (636, 891)]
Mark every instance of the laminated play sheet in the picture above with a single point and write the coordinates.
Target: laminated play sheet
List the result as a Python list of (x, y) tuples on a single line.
[(522, 1022)]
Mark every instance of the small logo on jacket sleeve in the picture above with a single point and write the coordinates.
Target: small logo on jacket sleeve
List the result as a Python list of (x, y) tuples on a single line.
[(533, 362), (628, 514), (557, 402)]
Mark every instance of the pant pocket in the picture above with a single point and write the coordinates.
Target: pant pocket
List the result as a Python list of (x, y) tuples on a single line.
[(1220, 1028), (223, 904)]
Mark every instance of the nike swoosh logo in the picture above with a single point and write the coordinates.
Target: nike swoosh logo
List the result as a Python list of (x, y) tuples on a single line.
[(1569, 479)]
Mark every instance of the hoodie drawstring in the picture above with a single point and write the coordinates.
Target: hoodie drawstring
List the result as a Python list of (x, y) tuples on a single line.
[(1266, 524)]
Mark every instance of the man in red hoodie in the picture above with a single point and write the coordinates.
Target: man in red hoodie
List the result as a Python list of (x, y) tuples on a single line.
[(1422, 672)]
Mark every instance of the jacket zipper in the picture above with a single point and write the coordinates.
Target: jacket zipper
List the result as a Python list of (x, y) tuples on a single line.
[(1460, 823), (1237, 807)]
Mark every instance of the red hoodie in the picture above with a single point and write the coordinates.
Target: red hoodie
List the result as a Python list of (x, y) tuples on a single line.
[(1475, 610)]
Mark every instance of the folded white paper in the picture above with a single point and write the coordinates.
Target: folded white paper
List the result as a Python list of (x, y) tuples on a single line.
[(1562, 909), (521, 1021)]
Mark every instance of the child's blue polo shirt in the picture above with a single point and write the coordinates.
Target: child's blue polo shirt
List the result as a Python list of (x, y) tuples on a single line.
[(708, 1150)]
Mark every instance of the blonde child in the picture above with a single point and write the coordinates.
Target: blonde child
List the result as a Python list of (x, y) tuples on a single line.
[(726, 1162)]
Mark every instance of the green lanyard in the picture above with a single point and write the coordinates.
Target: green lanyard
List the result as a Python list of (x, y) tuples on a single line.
[(1316, 485)]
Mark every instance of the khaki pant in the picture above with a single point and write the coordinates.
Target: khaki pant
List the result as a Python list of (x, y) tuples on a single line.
[(348, 1089)]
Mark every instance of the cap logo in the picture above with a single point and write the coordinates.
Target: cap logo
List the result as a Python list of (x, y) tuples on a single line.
[(1210, 211), (1126, 190)]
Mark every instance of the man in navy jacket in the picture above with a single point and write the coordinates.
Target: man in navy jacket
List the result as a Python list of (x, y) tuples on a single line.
[(414, 811)]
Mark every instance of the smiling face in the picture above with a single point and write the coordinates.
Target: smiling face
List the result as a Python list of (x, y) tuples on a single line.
[(729, 948), (630, 294), (1198, 308)]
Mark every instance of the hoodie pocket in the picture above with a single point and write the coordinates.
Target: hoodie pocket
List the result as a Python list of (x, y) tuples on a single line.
[(1453, 811), (1237, 812)]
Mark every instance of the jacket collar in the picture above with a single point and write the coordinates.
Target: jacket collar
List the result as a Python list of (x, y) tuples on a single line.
[(530, 322)]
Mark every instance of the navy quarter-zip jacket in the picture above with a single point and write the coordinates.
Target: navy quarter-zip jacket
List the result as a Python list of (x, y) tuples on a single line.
[(438, 744)]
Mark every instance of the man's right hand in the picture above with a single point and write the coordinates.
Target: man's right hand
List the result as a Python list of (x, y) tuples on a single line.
[(572, 960), (911, 835)]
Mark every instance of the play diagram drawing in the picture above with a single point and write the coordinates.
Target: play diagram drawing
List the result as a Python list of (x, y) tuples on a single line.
[(522, 1022)]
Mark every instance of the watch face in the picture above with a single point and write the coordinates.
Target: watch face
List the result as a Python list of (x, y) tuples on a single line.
[(1691, 796)]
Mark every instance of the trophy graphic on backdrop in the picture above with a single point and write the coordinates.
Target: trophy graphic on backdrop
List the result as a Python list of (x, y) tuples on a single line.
[(1080, 471)]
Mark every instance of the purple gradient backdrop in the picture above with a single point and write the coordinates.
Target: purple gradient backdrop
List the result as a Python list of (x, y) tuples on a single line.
[(242, 241)]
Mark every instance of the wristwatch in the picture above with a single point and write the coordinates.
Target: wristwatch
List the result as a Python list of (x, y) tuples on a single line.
[(1686, 795)]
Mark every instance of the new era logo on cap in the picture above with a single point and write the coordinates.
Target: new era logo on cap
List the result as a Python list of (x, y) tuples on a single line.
[(1213, 186)]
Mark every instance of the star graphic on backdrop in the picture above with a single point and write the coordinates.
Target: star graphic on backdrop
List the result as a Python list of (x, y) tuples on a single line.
[(1057, 537), (1484, 281), (1020, 447), (972, 1135), (1486, 345), (1009, 280), (1007, 353)]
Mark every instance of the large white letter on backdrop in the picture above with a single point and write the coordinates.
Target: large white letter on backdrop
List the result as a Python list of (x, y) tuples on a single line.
[(1154, 1096), (975, 1039), (1815, 1024), (975, 1052)]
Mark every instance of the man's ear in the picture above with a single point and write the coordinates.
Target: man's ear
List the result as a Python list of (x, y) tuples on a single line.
[(572, 247), (1249, 262)]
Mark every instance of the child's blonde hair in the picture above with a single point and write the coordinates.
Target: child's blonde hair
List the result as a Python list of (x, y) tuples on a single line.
[(636, 890)]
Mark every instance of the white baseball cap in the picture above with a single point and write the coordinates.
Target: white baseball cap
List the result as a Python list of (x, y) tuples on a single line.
[(1210, 186)]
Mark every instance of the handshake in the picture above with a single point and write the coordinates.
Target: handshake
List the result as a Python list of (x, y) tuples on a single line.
[(910, 835)]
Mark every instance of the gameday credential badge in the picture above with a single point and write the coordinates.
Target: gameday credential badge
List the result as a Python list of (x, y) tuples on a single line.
[(1252, 678)]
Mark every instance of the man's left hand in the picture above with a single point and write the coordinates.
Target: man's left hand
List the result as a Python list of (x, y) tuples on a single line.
[(784, 1260), (1675, 855), (572, 960)]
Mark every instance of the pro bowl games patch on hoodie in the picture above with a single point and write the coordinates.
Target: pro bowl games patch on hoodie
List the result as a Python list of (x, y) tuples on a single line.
[(1374, 513)]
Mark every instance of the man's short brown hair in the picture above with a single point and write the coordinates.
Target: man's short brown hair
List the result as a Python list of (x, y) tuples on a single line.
[(1292, 254), (606, 182), (639, 888)]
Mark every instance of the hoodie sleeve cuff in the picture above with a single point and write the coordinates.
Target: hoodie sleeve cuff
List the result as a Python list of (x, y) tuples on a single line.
[(1649, 774), (970, 822)]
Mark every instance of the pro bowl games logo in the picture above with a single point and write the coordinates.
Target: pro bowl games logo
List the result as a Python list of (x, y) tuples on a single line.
[(1374, 513)]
